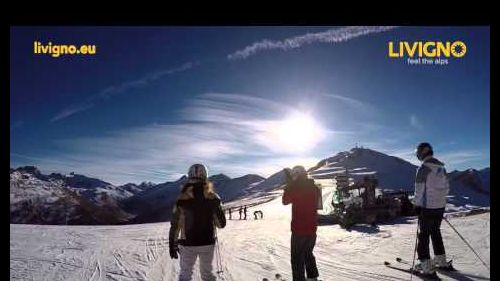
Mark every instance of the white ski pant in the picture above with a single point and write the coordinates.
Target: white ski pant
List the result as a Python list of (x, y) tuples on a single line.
[(188, 256)]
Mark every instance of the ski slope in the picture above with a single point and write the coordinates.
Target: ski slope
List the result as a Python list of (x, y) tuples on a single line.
[(250, 250)]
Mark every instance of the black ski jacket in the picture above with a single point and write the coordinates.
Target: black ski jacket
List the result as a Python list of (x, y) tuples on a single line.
[(197, 212)]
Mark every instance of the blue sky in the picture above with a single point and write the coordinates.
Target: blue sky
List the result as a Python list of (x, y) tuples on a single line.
[(154, 100)]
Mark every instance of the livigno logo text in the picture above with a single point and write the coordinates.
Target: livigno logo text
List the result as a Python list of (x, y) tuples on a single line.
[(427, 52)]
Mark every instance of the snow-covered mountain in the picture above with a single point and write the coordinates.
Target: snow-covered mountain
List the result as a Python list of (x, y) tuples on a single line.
[(470, 187), (90, 188), (155, 204), (274, 181), (134, 188), (38, 198), (392, 172), (76, 199), (237, 187), (467, 188)]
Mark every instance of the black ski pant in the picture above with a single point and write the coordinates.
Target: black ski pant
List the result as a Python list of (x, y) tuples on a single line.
[(302, 257), (430, 224)]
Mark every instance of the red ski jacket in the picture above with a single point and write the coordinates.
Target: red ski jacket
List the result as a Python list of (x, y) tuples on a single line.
[(303, 195)]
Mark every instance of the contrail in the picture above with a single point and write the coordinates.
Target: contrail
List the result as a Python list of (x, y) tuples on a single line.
[(335, 35)]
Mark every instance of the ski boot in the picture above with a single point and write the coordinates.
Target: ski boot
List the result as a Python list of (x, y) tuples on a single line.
[(441, 263), (426, 269)]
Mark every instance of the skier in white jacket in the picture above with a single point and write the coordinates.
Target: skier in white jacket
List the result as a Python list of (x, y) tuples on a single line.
[(431, 189)]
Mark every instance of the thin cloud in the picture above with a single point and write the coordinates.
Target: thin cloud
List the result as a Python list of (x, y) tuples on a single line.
[(405, 154), (225, 131), (43, 163), (233, 108), (335, 35), (71, 110), (355, 103), (415, 122), (458, 158), (118, 89), (329, 36)]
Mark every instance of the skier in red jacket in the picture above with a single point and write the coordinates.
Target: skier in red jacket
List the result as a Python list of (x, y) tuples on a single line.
[(303, 194)]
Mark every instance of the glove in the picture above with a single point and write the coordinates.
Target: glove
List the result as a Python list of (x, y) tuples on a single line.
[(174, 249)]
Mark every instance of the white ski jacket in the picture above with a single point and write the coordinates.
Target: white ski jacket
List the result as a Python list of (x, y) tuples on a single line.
[(431, 185)]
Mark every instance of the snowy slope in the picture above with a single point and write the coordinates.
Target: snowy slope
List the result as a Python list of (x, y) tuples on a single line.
[(250, 250)]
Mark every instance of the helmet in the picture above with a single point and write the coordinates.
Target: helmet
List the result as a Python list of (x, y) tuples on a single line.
[(298, 171), (424, 149), (198, 171)]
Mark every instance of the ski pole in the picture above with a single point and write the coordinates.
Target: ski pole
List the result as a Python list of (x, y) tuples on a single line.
[(221, 270), (415, 250), (467, 243), (218, 257)]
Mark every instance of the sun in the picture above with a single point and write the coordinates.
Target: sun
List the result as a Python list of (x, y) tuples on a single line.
[(297, 133)]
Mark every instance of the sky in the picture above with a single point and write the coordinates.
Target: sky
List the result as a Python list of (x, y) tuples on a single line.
[(154, 100)]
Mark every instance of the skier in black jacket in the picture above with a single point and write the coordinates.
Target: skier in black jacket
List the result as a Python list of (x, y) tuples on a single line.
[(197, 212)]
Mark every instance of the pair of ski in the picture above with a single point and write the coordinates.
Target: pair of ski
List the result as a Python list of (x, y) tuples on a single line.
[(424, 276), (278, 277)]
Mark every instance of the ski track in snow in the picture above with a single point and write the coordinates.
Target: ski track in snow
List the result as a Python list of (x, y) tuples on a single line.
[(251, 249)]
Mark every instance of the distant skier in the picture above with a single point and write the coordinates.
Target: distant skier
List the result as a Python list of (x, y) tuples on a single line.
[(245, 212), (258, 213), (303, 194), (431, 189), (261, 214), (197, 212), (229, 211), (241, 211)]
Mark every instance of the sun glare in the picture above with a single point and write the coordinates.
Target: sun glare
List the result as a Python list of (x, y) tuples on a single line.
[(297, 133)]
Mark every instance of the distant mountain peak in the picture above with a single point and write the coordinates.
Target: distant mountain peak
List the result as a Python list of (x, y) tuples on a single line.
[(29, 169), (218, 177), (392, 172), (253, 176)]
